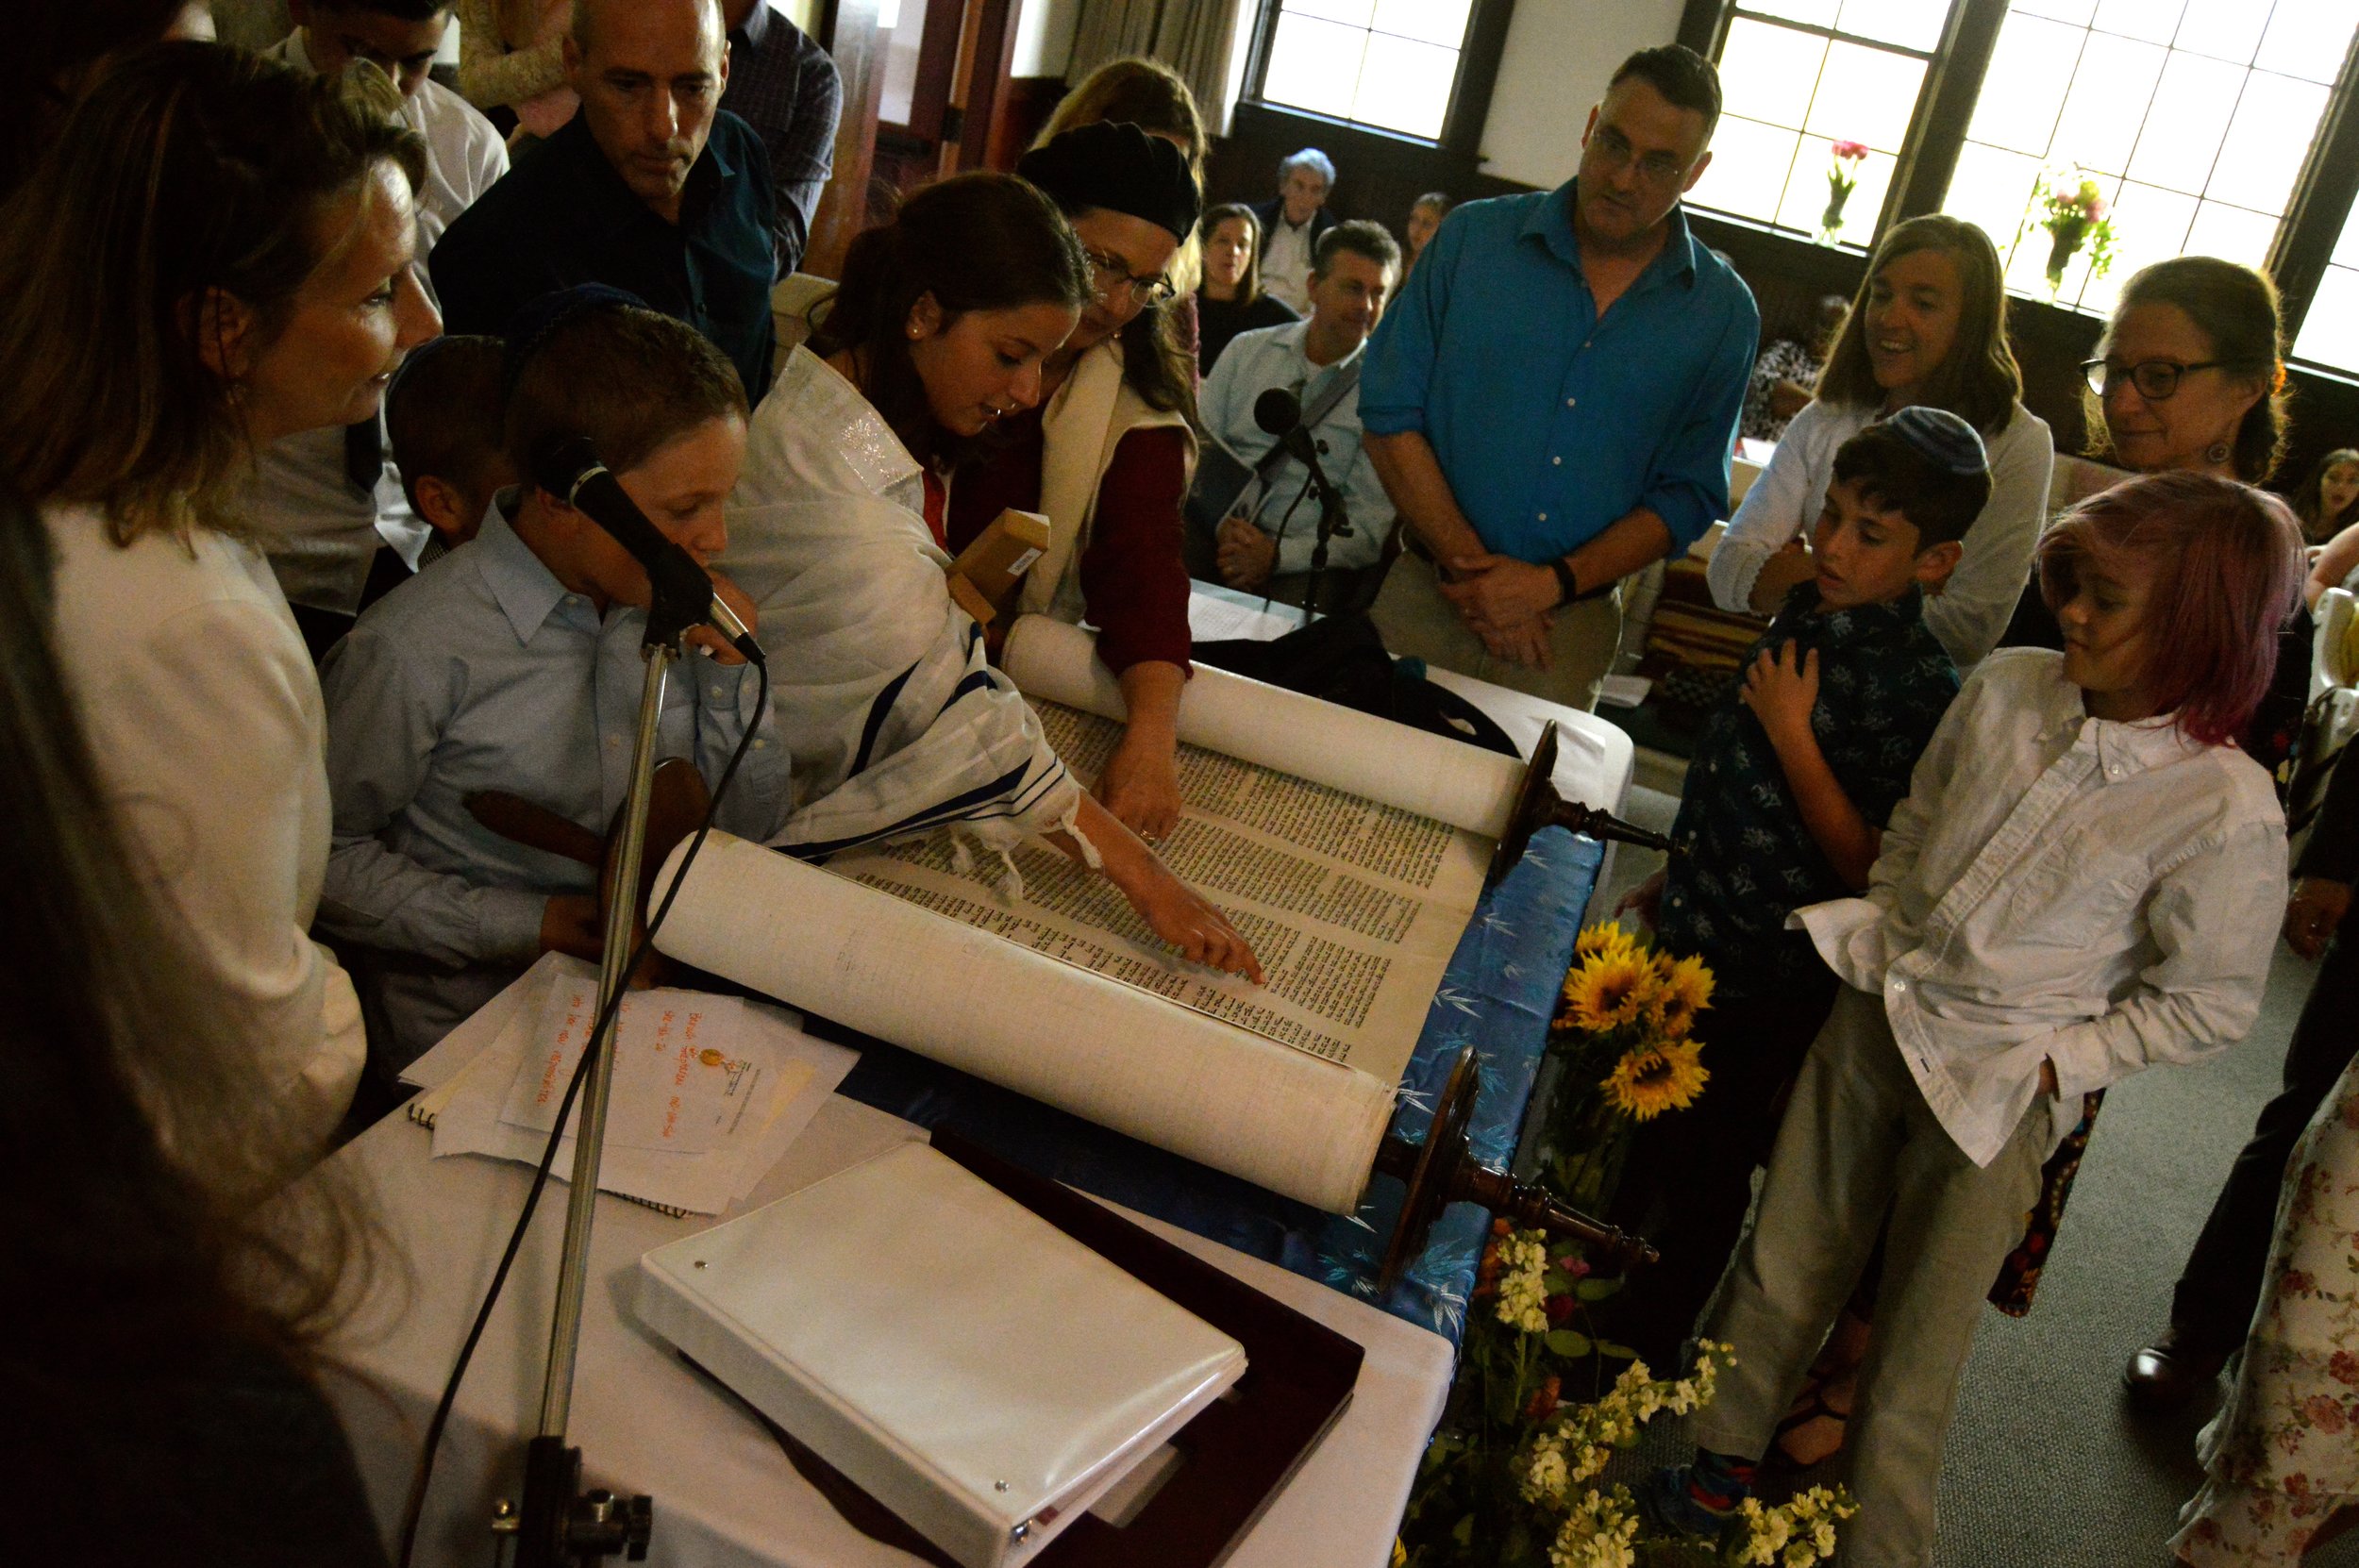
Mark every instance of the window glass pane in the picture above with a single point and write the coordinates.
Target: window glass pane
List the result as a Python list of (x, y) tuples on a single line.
[(1404, 86), (2154, 20), (2224, 29), (1910, 24), (2308, 38), (2111, 89), (2078, 12), (1818, 13), (1749, 168), (1865, 95), (2031, 68), (2149, 225), (2231, 233), (1354, 12), (2330, 334), (1315, 65), (1991, 190), (1807, 193), (2347, 248), (2183, 130), (1442, 22), (1767, 73), (2267, 142)]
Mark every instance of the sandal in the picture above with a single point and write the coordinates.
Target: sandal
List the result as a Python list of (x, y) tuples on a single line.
[(1813, 1431)]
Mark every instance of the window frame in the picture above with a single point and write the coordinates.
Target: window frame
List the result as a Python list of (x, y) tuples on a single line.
[(1479, 55), (2324, 194)]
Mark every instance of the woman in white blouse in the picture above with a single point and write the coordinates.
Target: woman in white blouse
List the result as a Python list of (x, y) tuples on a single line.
[(1929, 326), (216, 255)]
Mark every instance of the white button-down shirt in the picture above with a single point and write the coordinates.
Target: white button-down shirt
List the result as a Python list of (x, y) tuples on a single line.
[(1286, 263), (2098, 894)]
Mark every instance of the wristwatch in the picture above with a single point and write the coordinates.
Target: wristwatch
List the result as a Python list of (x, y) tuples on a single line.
[(1568, 586)]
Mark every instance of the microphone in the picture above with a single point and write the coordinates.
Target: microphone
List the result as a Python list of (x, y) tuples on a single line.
[(1278, 412), (568, 468)]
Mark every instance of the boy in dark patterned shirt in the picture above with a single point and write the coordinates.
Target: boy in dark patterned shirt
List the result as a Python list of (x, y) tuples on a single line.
[(1785, 805)]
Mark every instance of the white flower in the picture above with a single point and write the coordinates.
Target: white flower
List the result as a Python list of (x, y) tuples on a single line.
[(1523, 1294)]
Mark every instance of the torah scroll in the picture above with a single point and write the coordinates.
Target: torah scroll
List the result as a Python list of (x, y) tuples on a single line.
[(1308, 824)]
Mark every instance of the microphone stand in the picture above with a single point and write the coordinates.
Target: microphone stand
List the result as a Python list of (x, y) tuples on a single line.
[(560, 1523), (1334, 520)]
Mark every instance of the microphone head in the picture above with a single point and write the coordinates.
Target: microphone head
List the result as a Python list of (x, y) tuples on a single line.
[(560, 460), (1278, 410)]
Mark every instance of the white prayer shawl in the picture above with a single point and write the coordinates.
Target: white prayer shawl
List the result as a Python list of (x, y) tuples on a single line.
[(1082, 425), (895, 722)]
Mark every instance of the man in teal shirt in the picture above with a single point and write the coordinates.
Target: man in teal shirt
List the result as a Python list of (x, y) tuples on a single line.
[(1551, 401)]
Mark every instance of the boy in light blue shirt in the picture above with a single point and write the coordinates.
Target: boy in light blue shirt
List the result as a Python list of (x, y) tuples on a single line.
[(513, 664)]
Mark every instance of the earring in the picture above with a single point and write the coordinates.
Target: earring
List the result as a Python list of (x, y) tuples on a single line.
[(914, 333), (2218, 453)]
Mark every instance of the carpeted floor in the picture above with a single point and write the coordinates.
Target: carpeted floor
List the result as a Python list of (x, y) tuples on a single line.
[(2047, 1468)]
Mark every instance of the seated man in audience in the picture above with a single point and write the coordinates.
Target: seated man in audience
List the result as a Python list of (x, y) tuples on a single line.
[(1784, 806), (783, 85), (442, 420), (1267, 542), (513, 664), (332, 519), (1552, 400), (1292, 222), (649, 188)]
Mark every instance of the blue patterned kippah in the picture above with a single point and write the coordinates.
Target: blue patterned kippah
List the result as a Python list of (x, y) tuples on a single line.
[(1942, 437), (531, 324)]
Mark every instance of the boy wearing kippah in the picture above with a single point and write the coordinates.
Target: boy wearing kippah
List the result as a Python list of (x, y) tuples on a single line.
[(1783, 805)]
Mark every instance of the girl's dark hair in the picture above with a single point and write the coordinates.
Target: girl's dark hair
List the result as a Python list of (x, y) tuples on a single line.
[(2227, 566), (1250, 286), (188, 170), (135, 1150), (2236, 308), (1979, 381), (2310, 500), (979, 241)]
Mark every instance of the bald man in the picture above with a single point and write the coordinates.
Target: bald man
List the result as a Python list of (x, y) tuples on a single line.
[(651, 187)]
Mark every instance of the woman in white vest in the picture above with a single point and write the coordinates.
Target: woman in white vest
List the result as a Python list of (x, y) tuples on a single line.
[(1929, 326), (1109, 456), (896, 723)]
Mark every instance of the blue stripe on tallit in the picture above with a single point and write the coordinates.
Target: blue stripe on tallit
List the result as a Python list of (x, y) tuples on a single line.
[(977, 681), (956, 806), (877, 712)]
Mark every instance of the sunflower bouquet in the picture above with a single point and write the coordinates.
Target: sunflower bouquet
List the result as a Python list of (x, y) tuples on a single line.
[(1622, 1035)]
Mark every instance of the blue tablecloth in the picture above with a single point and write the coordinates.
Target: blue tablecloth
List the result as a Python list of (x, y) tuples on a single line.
[(1496, 996)]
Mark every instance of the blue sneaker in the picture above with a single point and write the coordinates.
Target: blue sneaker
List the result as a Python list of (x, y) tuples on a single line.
[(1671, 1501)]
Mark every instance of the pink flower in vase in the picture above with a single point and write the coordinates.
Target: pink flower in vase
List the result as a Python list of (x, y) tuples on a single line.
[(1850, 151)]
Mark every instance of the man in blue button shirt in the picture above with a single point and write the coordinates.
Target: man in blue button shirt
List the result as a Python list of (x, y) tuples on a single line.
[(1552, 399), (649, 188)]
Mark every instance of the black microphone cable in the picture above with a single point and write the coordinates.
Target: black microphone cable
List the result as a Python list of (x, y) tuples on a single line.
[(413, 1510)]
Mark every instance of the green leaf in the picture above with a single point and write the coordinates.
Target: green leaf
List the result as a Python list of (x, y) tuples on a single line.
[(1565, 1341), (1618, 1352), (1594, 1289), (1462, 1532)]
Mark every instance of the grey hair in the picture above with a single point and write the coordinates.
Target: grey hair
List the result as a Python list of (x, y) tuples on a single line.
[(1310, 158)]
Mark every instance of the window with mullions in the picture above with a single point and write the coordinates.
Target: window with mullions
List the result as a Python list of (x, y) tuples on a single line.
[(2193, 116), (1797, 78), (1391, 64), (2330, 333)]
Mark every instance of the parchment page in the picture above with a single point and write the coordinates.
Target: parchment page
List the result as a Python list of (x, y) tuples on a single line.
[(1352, 906)]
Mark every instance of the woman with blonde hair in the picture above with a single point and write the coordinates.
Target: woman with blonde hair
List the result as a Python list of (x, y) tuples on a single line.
[(218, 254)]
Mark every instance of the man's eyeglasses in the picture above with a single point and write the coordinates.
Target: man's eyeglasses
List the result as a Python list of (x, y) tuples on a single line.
[(2155, 379), (1657, 169), (1113, 278)]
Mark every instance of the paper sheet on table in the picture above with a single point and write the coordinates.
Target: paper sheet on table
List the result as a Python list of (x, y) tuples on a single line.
[(782, 1072)]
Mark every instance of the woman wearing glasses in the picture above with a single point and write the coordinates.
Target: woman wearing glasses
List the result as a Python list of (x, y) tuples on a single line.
[(1109, 452), (1929, 326)]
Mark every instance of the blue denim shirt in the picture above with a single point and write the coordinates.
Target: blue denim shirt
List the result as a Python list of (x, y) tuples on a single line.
[(1551, 422), (1743, 858)]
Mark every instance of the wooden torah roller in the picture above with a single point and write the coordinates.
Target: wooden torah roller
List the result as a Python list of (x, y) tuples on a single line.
[(1538, 806), (1442, 1171)]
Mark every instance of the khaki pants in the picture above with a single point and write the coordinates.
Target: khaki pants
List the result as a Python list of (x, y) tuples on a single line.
[(1859, 1143), (1417, 621)]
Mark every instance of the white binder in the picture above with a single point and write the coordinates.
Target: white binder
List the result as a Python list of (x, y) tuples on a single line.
[(970, 1366)]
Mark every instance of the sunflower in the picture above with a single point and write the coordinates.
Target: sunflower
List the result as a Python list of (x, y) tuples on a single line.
[(1603, 940), (1651, 1079), (1608, 991), (1686, 990)]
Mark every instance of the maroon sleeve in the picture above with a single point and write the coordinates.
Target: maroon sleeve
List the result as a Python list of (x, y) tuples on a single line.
[(1133, 583)]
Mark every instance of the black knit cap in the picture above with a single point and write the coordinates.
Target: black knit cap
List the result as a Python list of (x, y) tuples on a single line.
[(533, 323), (1120, 168)]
